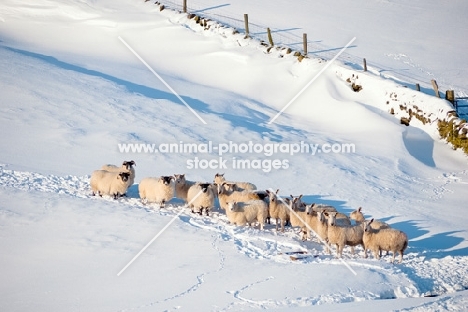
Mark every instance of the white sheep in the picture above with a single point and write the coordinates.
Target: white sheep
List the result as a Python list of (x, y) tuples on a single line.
[(126, 166), (384, 239), (157, 190), (227, 192), (343, 235), (241, 186), (182, 186), (317, 222), (358, 217), (201, 196), (241, 213), (278, 209), (103, 182)]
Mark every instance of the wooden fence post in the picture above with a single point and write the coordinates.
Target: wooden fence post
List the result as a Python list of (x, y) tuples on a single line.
[(365, 64), (270, 38), (184, 6), (418, 88), (450, 96), (436, 87), (246, 23), (304, 43)]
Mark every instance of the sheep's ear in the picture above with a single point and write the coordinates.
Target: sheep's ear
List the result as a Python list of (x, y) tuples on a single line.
[(267, 191), (277, 191), (291, 196), (300, 196), (326, 213), (372, 220), (359, 209)]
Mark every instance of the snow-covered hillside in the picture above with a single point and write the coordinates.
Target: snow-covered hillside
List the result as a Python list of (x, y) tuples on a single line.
[(73, 94)]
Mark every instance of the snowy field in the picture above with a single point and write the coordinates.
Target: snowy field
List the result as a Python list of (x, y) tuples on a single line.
[(73, 93)]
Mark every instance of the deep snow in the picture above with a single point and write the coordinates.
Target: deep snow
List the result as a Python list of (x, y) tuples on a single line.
[(70, 98)]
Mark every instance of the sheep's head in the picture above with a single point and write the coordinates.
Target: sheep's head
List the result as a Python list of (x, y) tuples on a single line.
[(357, 215), (225, 187), (331, 217), (368, 227), (205, 187), (219, 178), (273, 195), (273, 198), (128, 164), (220, 188), (296, 202), (123, 176), (166, 180), (179, 178), (261, 195), (321, 216), (232, 205)]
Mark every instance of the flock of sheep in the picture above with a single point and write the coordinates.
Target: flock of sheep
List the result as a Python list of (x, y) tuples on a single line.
[(245, 205)]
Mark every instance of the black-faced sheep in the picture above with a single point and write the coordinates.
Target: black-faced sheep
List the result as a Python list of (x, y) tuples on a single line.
[(201, 196), (157, 190), (103, 182)]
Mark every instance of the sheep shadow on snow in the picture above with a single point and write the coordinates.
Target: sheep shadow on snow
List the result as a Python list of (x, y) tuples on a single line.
[(438, 245)]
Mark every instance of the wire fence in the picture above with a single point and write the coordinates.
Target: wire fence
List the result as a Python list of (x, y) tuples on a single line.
[(293, 39)]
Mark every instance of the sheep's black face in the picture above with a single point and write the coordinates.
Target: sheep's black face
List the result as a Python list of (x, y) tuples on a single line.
[(204, 187), (124, 176), (129, 164), (167, 179)]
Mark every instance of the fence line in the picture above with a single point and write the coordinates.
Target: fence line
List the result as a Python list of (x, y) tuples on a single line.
[(288, 38)]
